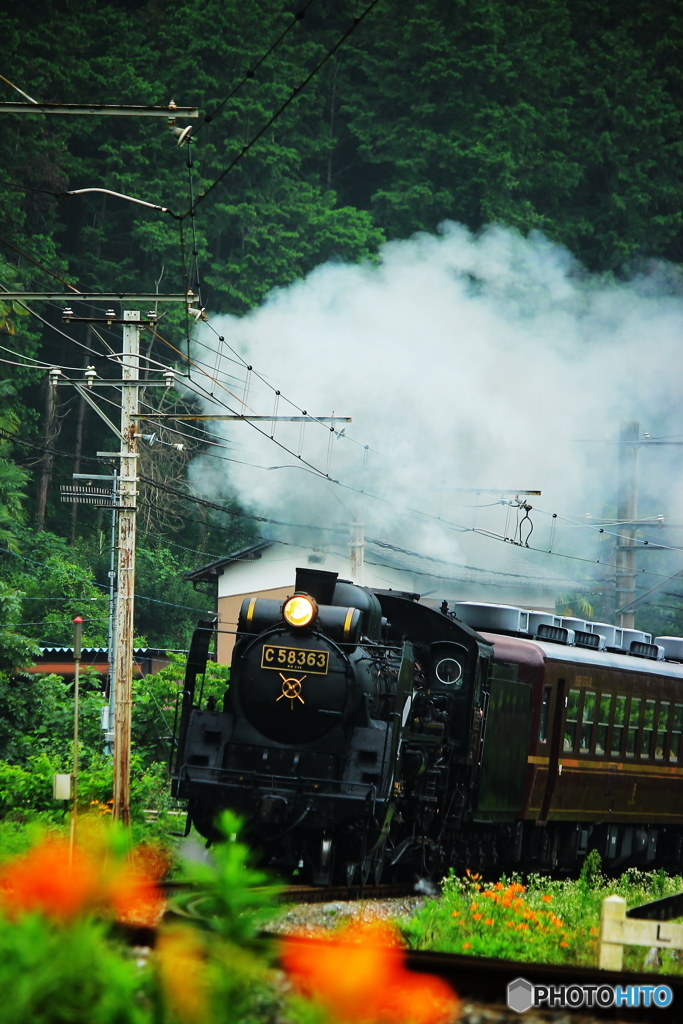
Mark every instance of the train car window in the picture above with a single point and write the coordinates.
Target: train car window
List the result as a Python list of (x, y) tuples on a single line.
[(603, 723), (570, 719), (633, 722), (648, 728), (587, 721), (543, 731), (662, 722), (675, 747), (618, 730)]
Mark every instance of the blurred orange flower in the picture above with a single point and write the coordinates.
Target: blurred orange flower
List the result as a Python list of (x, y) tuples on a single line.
[(44, 881), (135, 898), (132, 891), (359, 974), (179, 956)]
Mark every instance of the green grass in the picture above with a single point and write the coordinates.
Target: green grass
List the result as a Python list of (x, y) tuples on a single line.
[(541, 920)]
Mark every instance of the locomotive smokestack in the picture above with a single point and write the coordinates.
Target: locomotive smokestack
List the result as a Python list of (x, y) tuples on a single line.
[(318, 583)]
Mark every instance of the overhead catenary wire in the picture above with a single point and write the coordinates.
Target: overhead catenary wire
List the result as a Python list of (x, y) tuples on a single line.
[(281, 109), (250, 73)]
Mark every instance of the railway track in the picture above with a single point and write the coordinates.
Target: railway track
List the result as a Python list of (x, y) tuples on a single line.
[(481, 981), (315, 893), (334, 893), (484, 981)]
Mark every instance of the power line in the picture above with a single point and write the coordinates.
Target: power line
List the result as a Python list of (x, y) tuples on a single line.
[(281, 109), (253, 69)]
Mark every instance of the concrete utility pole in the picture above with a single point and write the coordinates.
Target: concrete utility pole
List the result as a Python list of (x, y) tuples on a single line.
[(627, 510), (125, 598), (357, 552)]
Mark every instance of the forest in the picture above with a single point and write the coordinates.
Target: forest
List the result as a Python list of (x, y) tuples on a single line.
[(541, 115)]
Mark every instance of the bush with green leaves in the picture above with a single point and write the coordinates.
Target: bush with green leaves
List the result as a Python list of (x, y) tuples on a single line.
[(544, 920)]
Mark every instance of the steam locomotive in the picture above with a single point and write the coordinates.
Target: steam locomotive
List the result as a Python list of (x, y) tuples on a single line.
[(365, 733)]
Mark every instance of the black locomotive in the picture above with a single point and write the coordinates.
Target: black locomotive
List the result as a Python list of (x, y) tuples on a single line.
[(365, 732)]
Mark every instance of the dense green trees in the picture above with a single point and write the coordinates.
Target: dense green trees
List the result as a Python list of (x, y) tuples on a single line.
[(545, 114)]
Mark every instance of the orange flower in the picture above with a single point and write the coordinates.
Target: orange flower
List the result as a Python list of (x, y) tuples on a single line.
[(132, 891), (488, 920), (456, 913), (359, 974), (44, 881), (467, 945), (179, 958), (477, 917), (135, 898), (547, 899), (563, 943)]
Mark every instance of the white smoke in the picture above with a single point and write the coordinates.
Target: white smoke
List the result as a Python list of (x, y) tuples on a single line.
[(466, 362)]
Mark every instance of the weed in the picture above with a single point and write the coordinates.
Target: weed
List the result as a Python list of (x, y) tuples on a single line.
[(542, 920)]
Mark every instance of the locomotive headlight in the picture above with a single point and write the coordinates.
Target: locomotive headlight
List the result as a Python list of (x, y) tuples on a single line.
[(299, 610)]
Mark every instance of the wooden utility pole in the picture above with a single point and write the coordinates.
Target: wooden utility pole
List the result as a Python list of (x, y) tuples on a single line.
[(627, 510), (125, 598)]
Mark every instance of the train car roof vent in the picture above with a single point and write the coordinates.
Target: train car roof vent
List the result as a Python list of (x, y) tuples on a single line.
[(629, 635), (575, 624), (672, 646), (501, 617), (555, 634), (537, 619), (595, 641), (611, 634), (641, 650)]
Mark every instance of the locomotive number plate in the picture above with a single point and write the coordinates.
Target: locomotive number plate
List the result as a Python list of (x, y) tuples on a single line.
[(315, 663)]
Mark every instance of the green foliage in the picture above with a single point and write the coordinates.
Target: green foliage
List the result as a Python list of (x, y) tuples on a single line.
[(237, 899), (69, 975), (541, 116), (155, 697), (62, 961), (546, 921)]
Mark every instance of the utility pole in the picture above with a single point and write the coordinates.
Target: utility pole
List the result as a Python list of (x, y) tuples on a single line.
[(122, 498), (357, 552), (627, 510), (125, 599)]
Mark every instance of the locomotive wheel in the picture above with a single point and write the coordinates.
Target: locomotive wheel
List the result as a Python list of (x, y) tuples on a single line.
[(373, 865), (350, 868)]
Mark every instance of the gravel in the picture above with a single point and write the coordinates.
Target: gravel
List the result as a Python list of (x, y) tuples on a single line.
[(308, 918)]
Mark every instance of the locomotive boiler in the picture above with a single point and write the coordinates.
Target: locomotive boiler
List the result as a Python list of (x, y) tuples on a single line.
[(366, 733)]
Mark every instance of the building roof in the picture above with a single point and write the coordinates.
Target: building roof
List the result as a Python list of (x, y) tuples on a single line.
[(214, 569), (140, 652), (516, 570)]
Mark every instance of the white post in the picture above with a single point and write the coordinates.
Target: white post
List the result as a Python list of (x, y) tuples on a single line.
[(611, 933), (127, 493), (357, 552)]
